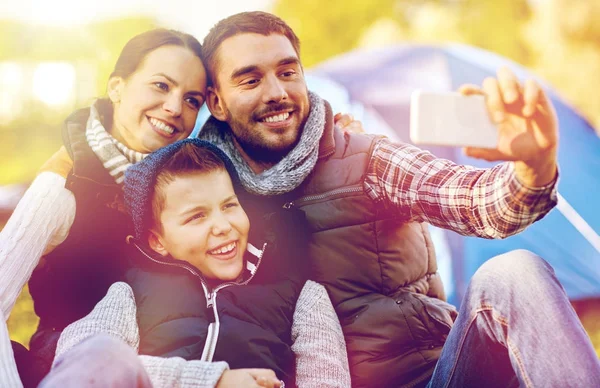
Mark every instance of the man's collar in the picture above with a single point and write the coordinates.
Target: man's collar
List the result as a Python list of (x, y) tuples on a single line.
[(327, 142)]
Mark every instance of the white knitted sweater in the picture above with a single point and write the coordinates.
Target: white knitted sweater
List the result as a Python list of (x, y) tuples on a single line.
[(40, 223)]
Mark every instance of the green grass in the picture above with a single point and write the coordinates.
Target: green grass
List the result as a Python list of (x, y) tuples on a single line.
[(22, 321)]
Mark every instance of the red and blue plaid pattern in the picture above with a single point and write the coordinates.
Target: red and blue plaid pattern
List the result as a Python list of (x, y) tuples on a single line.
[(489, 203)]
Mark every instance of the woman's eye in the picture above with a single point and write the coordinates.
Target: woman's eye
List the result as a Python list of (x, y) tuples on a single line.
[(162, 86), (193, 102), (231, 205)]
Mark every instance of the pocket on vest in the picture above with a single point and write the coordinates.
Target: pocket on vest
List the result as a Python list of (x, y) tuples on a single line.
[(439, 316)]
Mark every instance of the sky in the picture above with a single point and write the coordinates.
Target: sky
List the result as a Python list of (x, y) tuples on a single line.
[(192, 16)]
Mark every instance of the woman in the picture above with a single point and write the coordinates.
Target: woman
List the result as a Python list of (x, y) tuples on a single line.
[(154, 94)]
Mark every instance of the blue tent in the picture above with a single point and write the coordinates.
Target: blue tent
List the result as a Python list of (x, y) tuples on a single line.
[(378, 83), (375, 86)]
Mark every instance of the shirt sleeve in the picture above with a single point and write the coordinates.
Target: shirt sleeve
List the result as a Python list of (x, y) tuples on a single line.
[(116, 315), (489, 203), (318, 341), (40, 222)]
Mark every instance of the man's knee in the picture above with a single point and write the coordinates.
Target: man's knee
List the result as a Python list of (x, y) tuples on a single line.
[(513, 269)]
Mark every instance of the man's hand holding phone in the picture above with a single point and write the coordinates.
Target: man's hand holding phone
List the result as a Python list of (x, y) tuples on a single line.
[(527, 126), (520, 124)]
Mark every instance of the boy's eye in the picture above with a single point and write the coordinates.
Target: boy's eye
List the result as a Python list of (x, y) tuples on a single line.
[(162, 86), (197, 216)]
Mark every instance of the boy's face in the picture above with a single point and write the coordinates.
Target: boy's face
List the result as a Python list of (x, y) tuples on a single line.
[(203, 224)]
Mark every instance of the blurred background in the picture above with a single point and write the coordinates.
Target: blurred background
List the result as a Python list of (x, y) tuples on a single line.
[(55, 56)]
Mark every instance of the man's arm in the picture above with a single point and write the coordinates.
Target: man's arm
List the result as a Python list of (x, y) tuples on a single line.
[(491, 203), (319, 345)]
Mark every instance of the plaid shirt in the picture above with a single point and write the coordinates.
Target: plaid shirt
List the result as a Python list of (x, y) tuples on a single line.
[(489, 203)]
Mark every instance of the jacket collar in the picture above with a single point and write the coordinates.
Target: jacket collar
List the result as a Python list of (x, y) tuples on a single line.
[(327, 142), (252, 258), (86, 164)]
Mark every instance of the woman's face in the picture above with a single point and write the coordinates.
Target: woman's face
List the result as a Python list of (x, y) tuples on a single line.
[(158, 104)]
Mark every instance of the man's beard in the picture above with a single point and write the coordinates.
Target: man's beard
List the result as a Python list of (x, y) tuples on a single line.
[(254, 144)]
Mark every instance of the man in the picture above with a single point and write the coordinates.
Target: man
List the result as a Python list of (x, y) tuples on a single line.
[(365, 199)]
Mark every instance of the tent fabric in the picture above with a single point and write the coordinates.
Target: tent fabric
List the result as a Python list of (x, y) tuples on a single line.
[(382, 80)]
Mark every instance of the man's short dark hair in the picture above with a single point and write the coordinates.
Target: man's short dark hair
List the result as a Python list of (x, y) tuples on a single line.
[(257, 22)]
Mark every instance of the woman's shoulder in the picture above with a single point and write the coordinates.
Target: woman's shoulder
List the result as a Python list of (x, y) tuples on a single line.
[(60, 163)]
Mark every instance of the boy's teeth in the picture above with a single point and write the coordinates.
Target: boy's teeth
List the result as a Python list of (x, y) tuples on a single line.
[(162, 126), (225, 249), (278, 118)]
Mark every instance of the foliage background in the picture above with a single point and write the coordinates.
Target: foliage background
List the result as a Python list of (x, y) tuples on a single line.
[(558, 39)]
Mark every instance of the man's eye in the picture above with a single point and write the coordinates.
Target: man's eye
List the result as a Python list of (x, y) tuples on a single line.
[(252, 81), (288, 73), (162, 86), (193, 102)]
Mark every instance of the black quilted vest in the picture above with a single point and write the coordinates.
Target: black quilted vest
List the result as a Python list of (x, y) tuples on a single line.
[(379, 269), (76, 275), (255, 318)]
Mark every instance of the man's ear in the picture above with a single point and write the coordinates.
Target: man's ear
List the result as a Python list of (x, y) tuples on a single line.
[(156, 244), (115, 89), (215, 104)]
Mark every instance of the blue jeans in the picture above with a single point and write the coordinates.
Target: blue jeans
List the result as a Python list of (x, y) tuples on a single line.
[(516, 327), (100, 361)]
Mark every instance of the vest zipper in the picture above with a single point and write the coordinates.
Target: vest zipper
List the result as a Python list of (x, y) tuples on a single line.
[(211, 301), (318, 197)]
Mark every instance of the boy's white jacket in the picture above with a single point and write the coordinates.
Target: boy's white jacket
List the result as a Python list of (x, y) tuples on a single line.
[(318, 341)]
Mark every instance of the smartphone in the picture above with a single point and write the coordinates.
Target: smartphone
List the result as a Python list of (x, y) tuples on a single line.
[(451, 119)]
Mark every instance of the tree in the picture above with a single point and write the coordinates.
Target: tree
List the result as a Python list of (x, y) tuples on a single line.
[(334, 28), (565, 39)]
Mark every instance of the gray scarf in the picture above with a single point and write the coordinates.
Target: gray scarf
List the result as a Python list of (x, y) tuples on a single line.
[(115, 156), (289, 172)]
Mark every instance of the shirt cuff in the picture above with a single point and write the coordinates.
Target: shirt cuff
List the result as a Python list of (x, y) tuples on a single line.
[(542, 198)]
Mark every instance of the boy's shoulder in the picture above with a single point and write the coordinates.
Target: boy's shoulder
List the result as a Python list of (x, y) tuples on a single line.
[(163, 295), (157, 283)]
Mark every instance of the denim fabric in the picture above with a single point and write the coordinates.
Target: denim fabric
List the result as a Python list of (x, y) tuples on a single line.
[(516, 327), (100, 361)]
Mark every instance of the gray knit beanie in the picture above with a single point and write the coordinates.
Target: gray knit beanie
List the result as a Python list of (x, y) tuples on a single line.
[(140, 180)]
